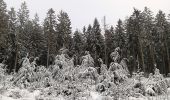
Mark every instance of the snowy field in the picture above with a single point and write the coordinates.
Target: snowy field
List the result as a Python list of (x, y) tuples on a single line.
[(82, 82), (25, 94)]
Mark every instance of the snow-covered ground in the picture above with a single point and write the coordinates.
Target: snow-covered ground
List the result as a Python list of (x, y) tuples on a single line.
[(23, 94)]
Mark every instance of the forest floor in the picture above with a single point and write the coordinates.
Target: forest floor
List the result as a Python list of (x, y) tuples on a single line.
[(15, 93)]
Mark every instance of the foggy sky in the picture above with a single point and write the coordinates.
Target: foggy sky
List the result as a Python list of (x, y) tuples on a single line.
[(83, 12)]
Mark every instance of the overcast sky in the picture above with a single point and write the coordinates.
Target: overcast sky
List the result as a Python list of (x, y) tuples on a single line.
[(83, 12)]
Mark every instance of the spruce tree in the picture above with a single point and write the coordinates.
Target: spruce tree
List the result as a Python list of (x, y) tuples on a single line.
[(134, 31), (24, 26), (63, 30), (97, 41), (88, 36), (13, 40), (50, 33), (78, 46), (120, 37), (162, 40), (23, 14), (109, 42), (148, 39), (3, 31), (37, 38)]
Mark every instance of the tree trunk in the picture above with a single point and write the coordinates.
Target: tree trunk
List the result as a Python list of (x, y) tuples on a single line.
[(163, 61), (106, 56), (48, 52), (16, 59), (95, 57), (16, 56), (151, 52), (141, 58), (167, 67)]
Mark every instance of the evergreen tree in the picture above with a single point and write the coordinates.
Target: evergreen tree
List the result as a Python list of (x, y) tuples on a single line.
[(162, 41), (148, 39), (13, 40), (23, 14), (3, 31), (119, 31), (120, 37), (84, 36), (24, 28), (131, 45), (143, 39), (78, 46), (97, 41), (63, 30), (84, 30), (27, 37), (169, 32), (88, 35), (50, 33), (37, 38), (109, 42), (134, 30)]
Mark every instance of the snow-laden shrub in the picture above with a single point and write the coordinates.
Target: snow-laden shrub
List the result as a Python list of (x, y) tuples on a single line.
[(87, 60), (167, 82), (63, 62), (57, 73), (118, 68), (31, 76), (160, 87), (115, 56), (150, 91), (156, 84), (88, 73), (103, 67), (157, 76), (118, 71)]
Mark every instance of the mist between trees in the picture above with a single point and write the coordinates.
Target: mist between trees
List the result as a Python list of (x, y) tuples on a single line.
[(143, 38)]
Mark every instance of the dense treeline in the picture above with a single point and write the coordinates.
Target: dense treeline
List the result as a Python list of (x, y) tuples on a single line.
[(143, 38)]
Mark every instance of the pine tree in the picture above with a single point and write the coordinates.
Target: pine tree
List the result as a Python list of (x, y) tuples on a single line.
[(27, 37), (120, 37), (88, 35), (148, 39), (97, 41), (131, 45), (109, 42), (23, 14), (162, 40), (63, 30), (134, 31), (50, 33), (37, 38), (169, 32), (24, 28), (84, 36), (13, 40), (78, 46), (3, 31)]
